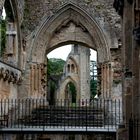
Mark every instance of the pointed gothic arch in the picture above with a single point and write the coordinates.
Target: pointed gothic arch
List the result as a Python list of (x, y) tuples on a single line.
[(70, 92), (70, 24), (64, 83)]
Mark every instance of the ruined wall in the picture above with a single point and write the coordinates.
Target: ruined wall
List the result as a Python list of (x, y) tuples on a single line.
[(32, 13), (101, 10), (79, 74), (10, 73)]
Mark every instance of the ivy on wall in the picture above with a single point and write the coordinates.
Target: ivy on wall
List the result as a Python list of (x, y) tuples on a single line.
[(2, 36)]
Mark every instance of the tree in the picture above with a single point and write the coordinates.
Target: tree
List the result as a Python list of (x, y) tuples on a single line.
[(54, 71), (72, 90), (93, 88), (2, 36), (55, 66)]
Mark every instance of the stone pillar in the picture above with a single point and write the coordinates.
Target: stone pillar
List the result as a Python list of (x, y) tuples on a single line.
[(106, 80), (102, 81), (110, 80), (127, 51), (37, 80), (84, 72), (11, 43)]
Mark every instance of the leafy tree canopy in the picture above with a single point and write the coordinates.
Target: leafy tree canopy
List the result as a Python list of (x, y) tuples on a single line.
[(55, 66), (2, 36)]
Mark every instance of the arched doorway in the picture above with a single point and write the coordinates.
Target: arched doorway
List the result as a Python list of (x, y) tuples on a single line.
[(70, 93), (70, 25)]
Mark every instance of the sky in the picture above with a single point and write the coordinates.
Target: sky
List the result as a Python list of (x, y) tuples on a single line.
[(3, 13), (65, 50)]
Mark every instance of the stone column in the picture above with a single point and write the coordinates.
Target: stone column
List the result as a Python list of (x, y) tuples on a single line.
[(102, 81), (136, 69), (104, 85), (11, 43), (110, 80), (105, 80)]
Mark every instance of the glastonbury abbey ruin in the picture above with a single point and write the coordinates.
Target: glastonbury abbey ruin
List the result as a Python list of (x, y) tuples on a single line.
[(30, 30)]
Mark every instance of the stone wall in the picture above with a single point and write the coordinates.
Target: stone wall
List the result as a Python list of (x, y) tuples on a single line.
[(102, 10), (35, 12), (10, 77), (79, 57), (32, 13)]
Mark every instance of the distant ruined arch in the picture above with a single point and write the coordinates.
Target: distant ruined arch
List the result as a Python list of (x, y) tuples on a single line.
[(70, 92), (64, 84)]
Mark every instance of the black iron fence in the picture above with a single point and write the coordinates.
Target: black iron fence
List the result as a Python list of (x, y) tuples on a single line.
[(134, 129), (36, 113)]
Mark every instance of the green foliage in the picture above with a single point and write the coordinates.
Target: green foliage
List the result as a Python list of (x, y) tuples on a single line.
[(93, 88), (52, 91), (72, 91), (2, 36), (55, 66)]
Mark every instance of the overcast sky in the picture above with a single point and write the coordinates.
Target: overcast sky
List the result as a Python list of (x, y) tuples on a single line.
[(62, 52)]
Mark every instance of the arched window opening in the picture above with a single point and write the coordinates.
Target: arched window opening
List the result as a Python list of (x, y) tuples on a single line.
[(68, 67), (72, 68)]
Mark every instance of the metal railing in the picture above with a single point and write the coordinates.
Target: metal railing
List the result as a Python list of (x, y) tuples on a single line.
[(36, 113)]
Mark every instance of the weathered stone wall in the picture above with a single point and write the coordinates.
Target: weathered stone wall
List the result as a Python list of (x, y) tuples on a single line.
[(10, 77), (131, 69), (31, 14), (102, 10), (79, 57)]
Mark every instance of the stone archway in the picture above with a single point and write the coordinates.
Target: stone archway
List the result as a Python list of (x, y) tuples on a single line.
[(70, 92), (70, 25), (61, 95)]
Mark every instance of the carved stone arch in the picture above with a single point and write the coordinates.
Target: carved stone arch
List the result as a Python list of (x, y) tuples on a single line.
[(54, 32), (64, 84)]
